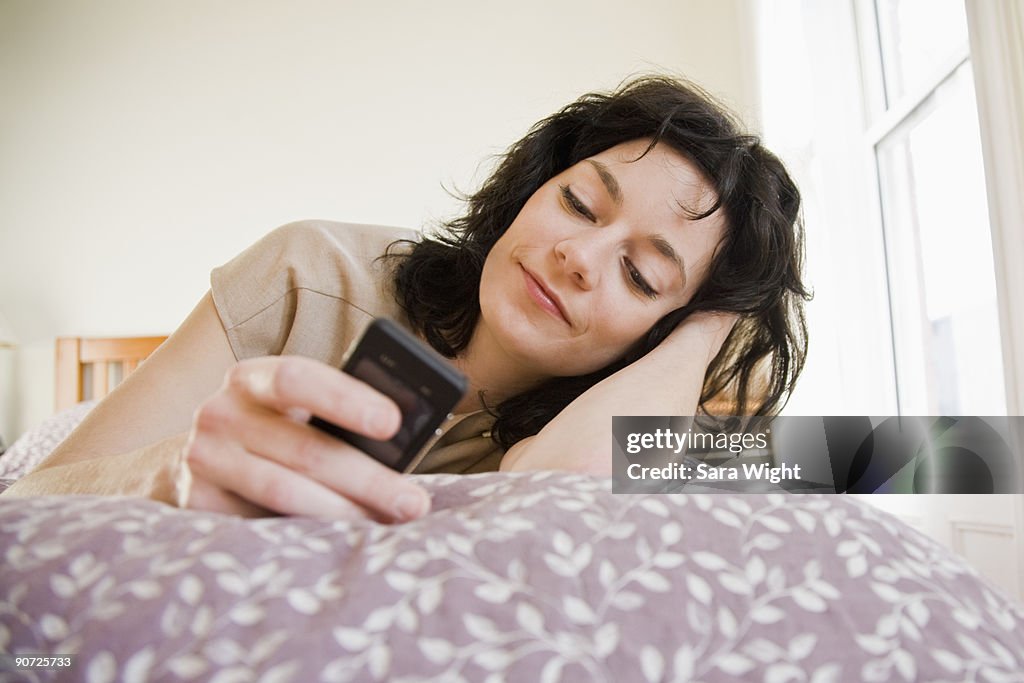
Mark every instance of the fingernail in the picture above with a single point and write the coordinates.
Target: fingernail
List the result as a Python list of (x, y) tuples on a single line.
[(410, 506), (300, 415), (261, 384)]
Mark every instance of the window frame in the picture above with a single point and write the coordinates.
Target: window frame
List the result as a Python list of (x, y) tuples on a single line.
[(885, 120), (996, 34)]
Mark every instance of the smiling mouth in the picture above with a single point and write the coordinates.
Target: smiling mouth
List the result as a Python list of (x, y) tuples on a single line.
[(543, 298)]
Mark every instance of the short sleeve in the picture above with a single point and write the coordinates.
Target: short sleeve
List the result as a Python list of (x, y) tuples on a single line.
[(307, 288)]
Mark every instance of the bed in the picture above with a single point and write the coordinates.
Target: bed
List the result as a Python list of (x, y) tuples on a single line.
[(524, 577), (90, 367), (86, 370)]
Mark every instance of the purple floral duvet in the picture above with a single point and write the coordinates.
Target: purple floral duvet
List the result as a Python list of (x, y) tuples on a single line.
[(519, 577)]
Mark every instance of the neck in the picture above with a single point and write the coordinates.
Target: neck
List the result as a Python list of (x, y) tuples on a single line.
[(491, 371)]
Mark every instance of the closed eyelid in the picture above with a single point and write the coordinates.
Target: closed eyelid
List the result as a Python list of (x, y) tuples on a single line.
[(575, 203)]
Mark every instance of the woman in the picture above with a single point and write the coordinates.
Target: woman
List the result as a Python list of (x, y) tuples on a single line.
[(633, 254)]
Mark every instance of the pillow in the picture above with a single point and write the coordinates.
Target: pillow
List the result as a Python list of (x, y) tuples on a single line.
[(35, 444), (521, 576)]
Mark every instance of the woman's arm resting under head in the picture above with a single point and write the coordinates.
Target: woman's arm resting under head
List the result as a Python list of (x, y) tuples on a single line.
[(667, 381)]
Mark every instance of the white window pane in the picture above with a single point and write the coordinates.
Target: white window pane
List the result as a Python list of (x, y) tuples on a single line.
[(918, 37), (941, 277)]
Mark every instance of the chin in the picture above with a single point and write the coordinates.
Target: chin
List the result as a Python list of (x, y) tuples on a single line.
[(537, 348)]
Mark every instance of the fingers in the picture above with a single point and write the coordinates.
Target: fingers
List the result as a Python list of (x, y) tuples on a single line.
[(287, 383), (337, 465), (251, 452), (276, 461), (204, 495), (231, 480)]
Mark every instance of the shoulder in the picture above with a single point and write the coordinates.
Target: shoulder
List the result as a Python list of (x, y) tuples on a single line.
[(337, 260), (305, 287), (332, 259)]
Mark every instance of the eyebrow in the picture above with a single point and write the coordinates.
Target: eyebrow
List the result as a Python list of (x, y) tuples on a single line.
[(610, 183), (666, 250)]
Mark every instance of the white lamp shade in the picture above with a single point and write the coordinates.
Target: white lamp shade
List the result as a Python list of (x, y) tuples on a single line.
[(7, 337)]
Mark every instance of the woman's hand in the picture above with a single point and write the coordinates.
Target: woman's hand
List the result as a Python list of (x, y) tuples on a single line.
[(251, 452), (705, 330)]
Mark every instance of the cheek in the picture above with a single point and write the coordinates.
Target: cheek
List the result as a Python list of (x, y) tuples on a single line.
[(490, 285), (628, 323), (616, 334)]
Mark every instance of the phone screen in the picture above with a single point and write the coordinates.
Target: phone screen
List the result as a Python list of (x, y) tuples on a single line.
[(416, 412)]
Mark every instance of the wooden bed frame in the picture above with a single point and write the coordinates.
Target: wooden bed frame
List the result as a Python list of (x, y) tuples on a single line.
[(97, 364)]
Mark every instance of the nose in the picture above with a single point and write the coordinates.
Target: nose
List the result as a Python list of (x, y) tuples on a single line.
[(580, 257)]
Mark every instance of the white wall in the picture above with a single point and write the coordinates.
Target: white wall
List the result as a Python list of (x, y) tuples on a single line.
[(142, 142)]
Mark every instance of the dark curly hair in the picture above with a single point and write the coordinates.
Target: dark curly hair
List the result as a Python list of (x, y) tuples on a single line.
[(755, 272)]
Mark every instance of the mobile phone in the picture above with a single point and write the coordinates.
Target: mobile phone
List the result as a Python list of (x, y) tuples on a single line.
[(423, 384)]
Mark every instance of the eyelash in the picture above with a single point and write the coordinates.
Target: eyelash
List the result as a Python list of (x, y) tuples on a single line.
[(575, 205), (636, 279)]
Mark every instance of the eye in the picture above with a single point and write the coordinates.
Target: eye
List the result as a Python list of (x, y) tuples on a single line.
[(636, 279), (574, 204)]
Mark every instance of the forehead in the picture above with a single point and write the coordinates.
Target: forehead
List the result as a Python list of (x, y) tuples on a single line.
[(656, 176), (659, 169)]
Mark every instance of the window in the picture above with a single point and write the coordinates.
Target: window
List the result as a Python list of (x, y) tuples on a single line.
[(924, 135), (871, 104)]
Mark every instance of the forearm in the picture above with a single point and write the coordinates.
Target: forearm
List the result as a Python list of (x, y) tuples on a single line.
[(667, 381), (155, 471)]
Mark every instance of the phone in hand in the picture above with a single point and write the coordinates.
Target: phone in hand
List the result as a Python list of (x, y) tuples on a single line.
[(423, 384)]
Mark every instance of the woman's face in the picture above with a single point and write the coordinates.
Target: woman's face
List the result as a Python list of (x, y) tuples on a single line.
[(595, 257)]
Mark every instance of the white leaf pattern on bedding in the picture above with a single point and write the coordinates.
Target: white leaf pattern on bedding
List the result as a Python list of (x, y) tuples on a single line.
[(527, 577), (32, 447)]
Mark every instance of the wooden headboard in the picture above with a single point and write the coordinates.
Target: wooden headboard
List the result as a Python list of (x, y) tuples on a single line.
[(91, 368)]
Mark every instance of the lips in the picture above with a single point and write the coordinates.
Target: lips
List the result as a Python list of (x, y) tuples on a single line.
[(544, 297)]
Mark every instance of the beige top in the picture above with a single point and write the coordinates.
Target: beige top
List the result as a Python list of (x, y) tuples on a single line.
[(310, 288)]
